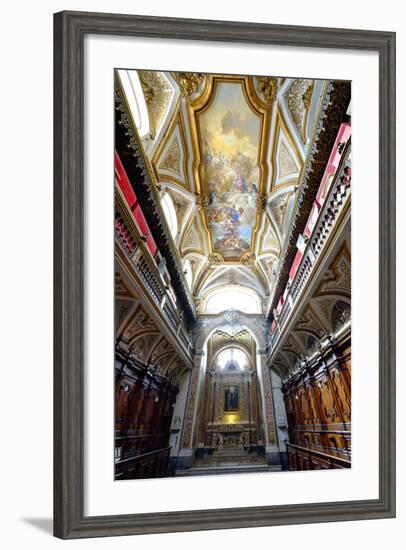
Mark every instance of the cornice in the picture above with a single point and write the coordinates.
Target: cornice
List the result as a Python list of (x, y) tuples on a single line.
[(136, 165), (332, 113)]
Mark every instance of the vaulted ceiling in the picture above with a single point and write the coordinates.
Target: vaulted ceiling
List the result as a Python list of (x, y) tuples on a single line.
[(229, 151)]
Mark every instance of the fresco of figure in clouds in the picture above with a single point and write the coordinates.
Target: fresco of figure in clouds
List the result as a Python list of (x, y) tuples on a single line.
[(229, 170)]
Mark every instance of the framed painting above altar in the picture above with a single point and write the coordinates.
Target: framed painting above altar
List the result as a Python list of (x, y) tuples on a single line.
[(231, 398)]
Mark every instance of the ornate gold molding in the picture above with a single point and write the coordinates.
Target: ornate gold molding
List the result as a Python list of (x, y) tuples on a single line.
[(298, 99), (248, 259), (158, 95), (188, 82), (199, 106), (215, 258), (261, 203), (177, 120), (201, 202), (268, 87)]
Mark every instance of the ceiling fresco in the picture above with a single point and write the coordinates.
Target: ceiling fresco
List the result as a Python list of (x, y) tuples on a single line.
[(229, 133), (229, 151)]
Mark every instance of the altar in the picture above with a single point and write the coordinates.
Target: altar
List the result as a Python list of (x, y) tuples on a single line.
[(223, 436)]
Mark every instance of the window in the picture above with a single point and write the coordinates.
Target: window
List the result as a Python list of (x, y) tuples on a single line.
[(136, 100), (232, 297), (170, 213), (232, 359)]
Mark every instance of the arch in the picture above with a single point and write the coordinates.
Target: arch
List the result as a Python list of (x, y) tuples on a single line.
[(227, 275), (162, 355), (235, 345), (336, 295), (219, 299), (254, 324), (145, 332), (340, 314)]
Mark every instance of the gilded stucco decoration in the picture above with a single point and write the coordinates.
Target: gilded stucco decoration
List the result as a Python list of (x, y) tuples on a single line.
[(248, 258), (188, 83), (216, 259), (261, 203), (267, 87), (232, 332), (298, 96), (171, 159), (158, 94), (201, 201)]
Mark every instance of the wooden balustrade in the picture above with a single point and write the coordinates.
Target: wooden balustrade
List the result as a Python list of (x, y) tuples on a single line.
[(144, 265), (303, 458), (146, 465), (144, 185), (330, 212), (130, 446)]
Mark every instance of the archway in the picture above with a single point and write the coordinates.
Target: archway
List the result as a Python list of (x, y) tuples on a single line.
[(214, 434)]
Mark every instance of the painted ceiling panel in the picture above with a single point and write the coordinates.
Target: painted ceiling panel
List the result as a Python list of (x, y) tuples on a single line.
[(229, 137), (229, 151)]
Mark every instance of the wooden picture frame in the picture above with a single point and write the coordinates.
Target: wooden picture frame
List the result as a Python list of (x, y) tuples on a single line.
[(70, 30)]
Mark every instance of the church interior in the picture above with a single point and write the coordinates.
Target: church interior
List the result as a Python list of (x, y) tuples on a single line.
[(232, 274)]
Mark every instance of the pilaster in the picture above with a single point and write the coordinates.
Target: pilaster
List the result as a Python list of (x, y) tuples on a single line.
[(185, 457), (270, 437)]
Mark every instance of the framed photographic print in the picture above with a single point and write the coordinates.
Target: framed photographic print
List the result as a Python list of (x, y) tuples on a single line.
[(224, 274)]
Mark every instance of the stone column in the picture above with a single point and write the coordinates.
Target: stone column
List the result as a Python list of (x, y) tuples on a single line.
[(185, 458), (271, 443)]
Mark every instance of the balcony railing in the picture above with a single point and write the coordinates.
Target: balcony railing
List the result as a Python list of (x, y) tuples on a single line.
[(304, 458), (130, 241), (330, 212), (147, 465)]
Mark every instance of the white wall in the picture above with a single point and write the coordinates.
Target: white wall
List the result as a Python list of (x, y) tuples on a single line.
[(26, 276)]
